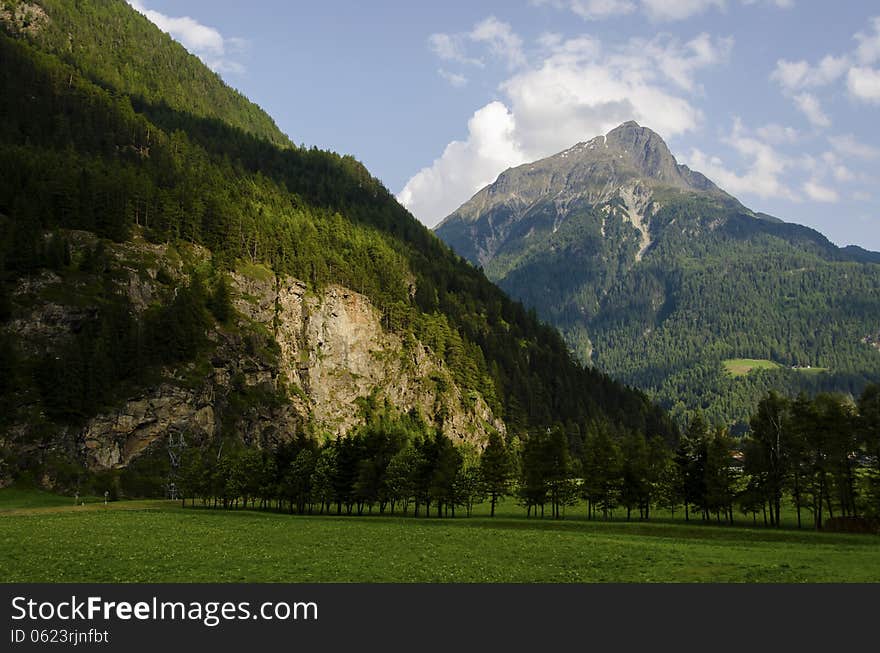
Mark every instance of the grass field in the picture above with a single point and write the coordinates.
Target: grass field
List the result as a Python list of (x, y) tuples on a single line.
[(742, 366), (22, 499), (156, 541)]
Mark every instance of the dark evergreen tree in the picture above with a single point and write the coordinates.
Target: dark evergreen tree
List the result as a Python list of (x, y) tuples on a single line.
[(496, 468)]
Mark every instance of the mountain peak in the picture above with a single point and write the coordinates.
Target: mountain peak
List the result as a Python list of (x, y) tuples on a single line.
[(631, 127), (632, 133), (650, 156), (597, 170)]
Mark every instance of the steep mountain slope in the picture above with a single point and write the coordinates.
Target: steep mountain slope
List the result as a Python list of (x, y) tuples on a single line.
[(657, 276), (119, 49), (171, 265)]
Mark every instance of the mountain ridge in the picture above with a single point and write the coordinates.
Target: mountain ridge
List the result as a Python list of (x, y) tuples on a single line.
[(630, 162)]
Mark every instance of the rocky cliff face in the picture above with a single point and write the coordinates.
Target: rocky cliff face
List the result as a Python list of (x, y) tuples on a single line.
[(308, 356), (334, 350)]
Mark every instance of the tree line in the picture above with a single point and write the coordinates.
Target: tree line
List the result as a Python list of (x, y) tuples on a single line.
[(821, 454)]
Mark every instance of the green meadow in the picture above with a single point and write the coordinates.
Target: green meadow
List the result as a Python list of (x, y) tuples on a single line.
[(742, 366), (47, 539)]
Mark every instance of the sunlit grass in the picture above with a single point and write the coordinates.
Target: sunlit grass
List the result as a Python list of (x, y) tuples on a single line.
[(154, 541), (742, 366)]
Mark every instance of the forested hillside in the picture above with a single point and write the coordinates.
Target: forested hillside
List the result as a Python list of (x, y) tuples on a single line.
[(119, 134), (120, 50), (662, 280)]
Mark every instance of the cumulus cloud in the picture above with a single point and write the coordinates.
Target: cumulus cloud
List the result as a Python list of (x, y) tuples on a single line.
[(868, 50), (495, 35), (678, 9), (454, 79), (797, 75), (764, 171), (656, 10), (502, 41), (864, 83), (207, 43), (775, 134), (451, 47), (835, 167), (577, 90), (595, 9), (768, 171), (465, 166), (782, 4), (680, 63), (580, 90), (809, 105), (815, 191), (856, 67), (848, 145)]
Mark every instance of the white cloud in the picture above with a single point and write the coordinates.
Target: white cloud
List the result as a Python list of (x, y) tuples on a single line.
[(579, 89), (501, 39), (205, 42), (790, 74), (465, 166), (582, 48), (836, 168), (764, 171), (454, 79), (451, 47), (862, 79), (598, 9), (819, 193), (829, 166), (796, 75), (847, 145), (592, 9), (869, 43), (809, 105), (843, 174), (760, 178), (864, 83), (666, 10), (777, 134), (681, 63), (657, 10), (782, 4)]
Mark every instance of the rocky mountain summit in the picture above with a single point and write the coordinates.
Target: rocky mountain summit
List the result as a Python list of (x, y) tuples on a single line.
[(629, 164), (657, 276)]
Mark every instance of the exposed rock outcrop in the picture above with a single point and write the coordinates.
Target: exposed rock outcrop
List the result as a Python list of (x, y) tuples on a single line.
[(335, 351), (293, 356)]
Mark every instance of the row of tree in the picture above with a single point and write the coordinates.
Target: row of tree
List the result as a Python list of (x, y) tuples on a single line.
[(823, 453), (820, 453)]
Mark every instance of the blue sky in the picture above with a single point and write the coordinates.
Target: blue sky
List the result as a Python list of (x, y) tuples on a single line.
[(775, 100)]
